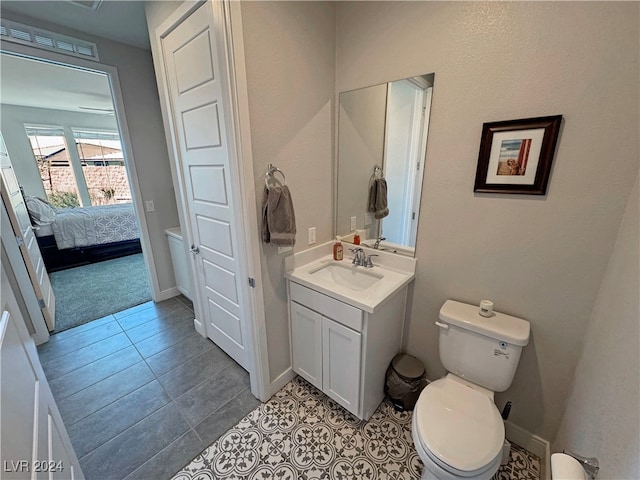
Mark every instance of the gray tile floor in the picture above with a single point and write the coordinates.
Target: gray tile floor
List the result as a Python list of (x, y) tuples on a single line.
[(141, 392)]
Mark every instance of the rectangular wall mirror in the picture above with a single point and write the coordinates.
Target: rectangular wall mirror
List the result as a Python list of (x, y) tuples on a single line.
[(382, 133)]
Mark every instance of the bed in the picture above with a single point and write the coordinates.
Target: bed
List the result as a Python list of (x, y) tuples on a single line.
[(71, 237)]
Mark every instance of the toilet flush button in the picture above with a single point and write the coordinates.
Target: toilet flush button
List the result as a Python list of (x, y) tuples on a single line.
[(486, 308)]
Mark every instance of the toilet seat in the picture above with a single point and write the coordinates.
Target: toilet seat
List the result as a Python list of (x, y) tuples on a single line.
[(458, 427)]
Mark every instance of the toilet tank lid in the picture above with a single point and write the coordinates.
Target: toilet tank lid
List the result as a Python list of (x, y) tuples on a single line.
[(500, 326)]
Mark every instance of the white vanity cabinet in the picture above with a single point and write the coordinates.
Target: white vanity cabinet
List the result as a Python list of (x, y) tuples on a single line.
[(327, 355), (342, 350)]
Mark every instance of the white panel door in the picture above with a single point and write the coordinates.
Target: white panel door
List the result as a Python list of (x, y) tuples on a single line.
[(306, 343), (195, 74), (35, 443), (23, 231), (341, 348)]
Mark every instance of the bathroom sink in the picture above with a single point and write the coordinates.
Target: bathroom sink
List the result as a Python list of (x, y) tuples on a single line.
[(347, 275), (358, 286)]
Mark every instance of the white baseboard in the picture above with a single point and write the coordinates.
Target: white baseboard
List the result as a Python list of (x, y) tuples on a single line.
[(282, 379), (532, 443), (168, 293), (200, 327)]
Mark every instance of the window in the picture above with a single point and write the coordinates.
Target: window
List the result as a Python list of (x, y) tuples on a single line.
[(52, 158), (103, 166), (36, 37), (99, 176)]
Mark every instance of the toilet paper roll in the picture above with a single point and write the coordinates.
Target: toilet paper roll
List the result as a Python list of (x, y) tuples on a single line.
[(565, 467), (486, 308)]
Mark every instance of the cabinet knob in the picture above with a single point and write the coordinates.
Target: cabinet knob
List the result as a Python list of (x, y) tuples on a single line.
[(194, 249)]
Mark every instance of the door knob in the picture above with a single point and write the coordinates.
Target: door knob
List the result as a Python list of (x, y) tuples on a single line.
[(194, 249)]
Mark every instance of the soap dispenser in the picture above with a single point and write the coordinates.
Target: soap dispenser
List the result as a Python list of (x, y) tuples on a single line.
[(337, 249)]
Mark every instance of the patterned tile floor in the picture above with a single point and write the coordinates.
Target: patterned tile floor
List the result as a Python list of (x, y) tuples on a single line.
[(302, 434)]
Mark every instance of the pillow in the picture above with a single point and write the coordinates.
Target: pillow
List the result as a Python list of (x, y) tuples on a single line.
[(40, 211)]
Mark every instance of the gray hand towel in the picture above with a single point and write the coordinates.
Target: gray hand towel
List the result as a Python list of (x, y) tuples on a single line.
[(266, 238), (278, 217), (377, 200), (371, 199)]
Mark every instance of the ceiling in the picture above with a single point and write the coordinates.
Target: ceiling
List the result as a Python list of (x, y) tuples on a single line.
[(35, 83), (122, 21)]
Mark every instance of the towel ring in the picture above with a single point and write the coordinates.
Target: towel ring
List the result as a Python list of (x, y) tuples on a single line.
[(271, 171), (377, 170)]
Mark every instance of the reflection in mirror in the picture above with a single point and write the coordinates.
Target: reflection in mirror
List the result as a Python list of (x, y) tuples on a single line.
[(384, 125)]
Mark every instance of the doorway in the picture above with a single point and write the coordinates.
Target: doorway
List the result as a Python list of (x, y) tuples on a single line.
[(199, 382), (406, 126), (71, 161)]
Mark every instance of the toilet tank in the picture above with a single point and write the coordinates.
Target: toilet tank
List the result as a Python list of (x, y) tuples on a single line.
[(482, 350)]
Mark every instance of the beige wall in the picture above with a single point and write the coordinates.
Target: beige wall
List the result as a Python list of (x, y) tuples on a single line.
[(543, 257), (290, 52), (140, 95), (602, 415)]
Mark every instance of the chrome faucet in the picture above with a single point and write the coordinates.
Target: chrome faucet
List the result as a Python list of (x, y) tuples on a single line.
[(590, 464), (377, 244), (359, 257), (368, 261)]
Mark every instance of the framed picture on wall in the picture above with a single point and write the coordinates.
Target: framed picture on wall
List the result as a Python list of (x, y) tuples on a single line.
[(516, 155)]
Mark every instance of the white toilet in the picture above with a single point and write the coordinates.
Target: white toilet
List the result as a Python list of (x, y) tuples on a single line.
[(457, 429)]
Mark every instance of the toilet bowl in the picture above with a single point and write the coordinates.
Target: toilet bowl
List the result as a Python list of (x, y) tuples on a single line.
[(457, 429), (571, 466)]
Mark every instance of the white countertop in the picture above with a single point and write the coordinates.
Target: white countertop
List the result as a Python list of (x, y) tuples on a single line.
[(394, 277), (174, 232)]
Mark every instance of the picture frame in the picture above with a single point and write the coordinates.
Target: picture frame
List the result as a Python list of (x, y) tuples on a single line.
[(516, 155)]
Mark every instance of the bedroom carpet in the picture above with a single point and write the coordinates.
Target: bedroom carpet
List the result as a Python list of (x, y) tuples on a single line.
[(94, 291)]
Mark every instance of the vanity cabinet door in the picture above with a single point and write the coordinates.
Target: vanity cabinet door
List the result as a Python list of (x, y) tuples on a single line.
[(306, 343), (341, 348)]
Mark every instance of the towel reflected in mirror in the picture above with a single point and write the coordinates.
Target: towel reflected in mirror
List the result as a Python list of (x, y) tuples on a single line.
[(377, 200)]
